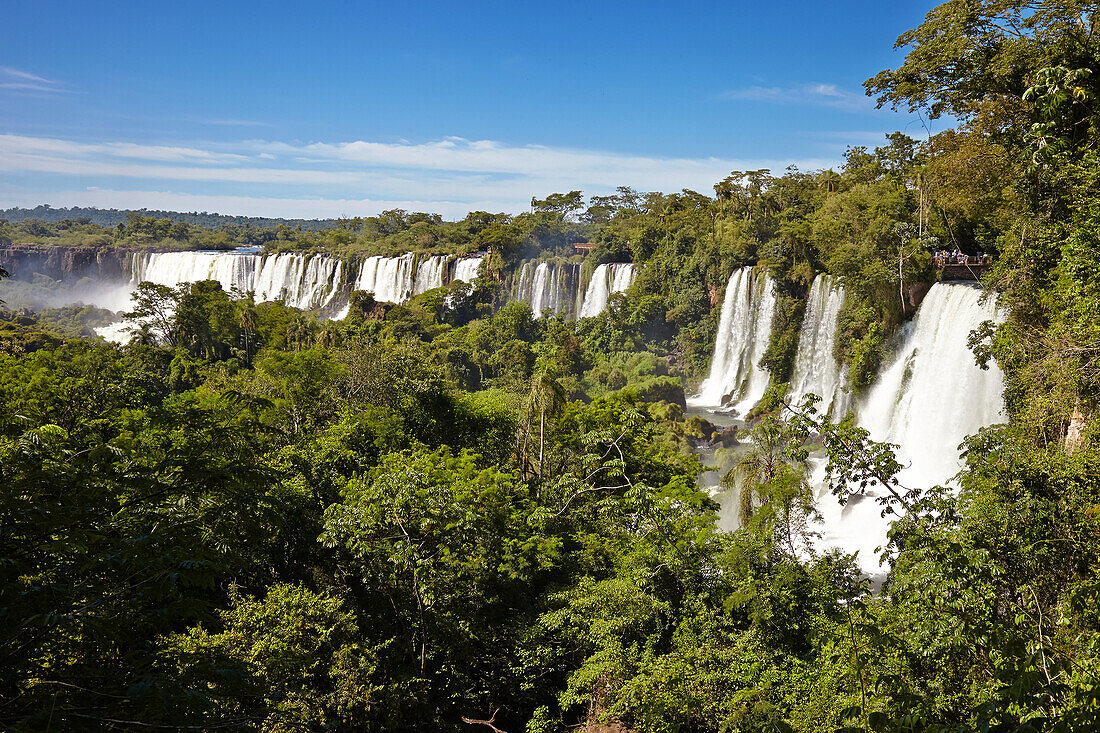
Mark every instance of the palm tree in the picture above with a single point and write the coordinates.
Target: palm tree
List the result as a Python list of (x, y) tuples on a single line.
[(144, 334), (298, 332), (546, 397), (246, 319), (771, 479)]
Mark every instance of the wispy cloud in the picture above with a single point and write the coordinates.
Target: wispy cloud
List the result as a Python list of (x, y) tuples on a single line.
[(17, 79), (449, 176), (824, 95)]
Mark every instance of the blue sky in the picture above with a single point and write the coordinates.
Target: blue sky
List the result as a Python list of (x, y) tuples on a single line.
[(348, 108)]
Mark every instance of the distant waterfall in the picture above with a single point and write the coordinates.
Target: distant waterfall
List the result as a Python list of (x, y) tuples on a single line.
[(932, 394), (301, 281), (396, 279), (606, 281), (388, 279), (815, 368), (430, 273), (548, 287), (542, 289), (744, 329), (231, 270), (467, 268)]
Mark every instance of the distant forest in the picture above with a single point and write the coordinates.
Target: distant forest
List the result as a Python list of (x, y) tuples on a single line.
[(114, 217)]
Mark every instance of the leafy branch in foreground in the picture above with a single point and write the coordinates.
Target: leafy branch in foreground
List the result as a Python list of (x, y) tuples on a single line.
[(856, 464)]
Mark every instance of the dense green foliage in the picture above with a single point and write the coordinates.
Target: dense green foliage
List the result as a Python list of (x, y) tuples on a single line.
[(446, 514)]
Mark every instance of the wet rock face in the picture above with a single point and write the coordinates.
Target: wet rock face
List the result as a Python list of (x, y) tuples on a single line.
[(63, 263), (726, 437)]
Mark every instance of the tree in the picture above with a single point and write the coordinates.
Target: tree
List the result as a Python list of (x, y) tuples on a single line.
[(770, 478), (545, 399), (445, 558), (975, 59), (562, 205), (155, 308)]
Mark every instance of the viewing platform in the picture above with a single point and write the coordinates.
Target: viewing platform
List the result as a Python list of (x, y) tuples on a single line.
[(952, 272), (954, 266)]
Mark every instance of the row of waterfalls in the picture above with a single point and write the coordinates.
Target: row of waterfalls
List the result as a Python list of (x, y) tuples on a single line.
[(928, 396), (318, 282), (305, 281)]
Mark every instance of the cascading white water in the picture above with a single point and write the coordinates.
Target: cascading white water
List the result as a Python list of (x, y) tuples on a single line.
[(816, 370), (521, 292), (467, 268), (932, 394), (230, 269), (551, 287), (744, 328), (301, 281), (119, 332), (928, 397), (430, 273), (606, 281), (388, 279), (542, 290)]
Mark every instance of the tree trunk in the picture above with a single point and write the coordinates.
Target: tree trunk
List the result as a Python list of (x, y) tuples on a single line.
[(542, 427)]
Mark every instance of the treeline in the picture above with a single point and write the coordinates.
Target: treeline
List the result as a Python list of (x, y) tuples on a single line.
[(113, 217)]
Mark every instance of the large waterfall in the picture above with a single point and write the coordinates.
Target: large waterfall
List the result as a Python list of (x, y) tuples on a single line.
[(928, 397), (305, 281), (932, 394), (301, 281), (430, 273), (606, 281), (744, 327), (816, 370), (549, 287)]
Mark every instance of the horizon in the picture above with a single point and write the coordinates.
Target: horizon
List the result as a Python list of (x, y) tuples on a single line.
[(424, 108)]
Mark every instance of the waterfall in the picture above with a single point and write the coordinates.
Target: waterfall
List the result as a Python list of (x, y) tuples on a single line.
[(542, 286), (815, 368), (932, 394), (606, 281), (928, 398), (298, 280), (744, 329), (430, 273), (549, 287), (388, 279), (118, 332), (231, 270), (467, 268), (301, 281), (521, 292)]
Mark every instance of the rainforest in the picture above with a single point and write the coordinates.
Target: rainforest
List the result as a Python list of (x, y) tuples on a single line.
[(816, 450)]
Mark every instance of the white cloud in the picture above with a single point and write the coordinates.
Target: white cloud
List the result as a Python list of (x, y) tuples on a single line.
[(825, 95), (17, 79), (450, 175), (25, 145)]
